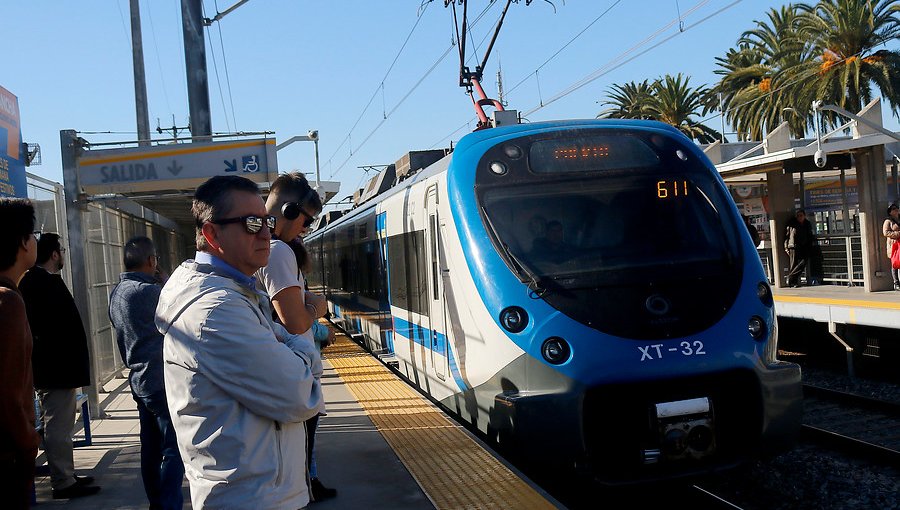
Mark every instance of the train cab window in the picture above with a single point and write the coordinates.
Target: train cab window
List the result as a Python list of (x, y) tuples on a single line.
[(611, 225)]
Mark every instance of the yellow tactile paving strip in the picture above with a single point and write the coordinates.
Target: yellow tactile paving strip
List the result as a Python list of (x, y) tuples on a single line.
[(453, 470)]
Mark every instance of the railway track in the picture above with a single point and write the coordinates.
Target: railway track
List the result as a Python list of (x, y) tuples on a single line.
[(854, 424)]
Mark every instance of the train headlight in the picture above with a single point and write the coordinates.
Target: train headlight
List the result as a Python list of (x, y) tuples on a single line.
[(498, 167), (764, 293), (757, 327), (556, 350), (514, 319), (512, 151)]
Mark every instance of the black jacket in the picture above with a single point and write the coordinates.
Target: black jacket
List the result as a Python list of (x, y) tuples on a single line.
[(60, 357)]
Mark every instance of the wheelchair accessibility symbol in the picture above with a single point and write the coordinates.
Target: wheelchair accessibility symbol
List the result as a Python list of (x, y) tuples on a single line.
[(250, 164)]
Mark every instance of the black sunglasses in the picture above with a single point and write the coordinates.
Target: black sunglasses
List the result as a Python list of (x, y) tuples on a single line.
[(252, 224)]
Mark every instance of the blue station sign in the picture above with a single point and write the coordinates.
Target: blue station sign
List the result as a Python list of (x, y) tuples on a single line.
[(174, 167), (12, 157)]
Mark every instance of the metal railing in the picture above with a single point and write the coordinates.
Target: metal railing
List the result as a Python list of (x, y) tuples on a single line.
[(106, 230), (841, 260)]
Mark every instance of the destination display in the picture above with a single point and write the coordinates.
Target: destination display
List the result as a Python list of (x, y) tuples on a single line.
[(173, 167), (590, 154)]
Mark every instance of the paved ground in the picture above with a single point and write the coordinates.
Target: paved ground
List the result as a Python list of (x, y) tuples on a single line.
[(352, 457)]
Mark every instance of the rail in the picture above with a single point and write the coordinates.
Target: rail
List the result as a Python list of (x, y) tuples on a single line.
[(841, 260)]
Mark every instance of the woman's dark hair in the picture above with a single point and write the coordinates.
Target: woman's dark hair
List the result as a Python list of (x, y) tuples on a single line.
[(299, 252), (17, 218), (891, 208)]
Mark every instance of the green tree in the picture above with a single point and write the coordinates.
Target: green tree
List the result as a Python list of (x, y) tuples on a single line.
[(754, 92), (845, 64), (675, 102), (628, 101), (669, 99), (828, 51)]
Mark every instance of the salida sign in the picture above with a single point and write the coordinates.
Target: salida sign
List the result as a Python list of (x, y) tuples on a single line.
[(167, 167)]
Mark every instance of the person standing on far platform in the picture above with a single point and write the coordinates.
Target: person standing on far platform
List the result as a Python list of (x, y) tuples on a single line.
[(891, 230), (132, 308), (239, 386), (18, 439), (60, 362), (799, 242)]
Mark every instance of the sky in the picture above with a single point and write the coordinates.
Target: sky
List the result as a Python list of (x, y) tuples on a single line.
[(336, 66)]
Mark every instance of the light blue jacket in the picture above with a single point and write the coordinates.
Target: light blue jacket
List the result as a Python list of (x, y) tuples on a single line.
[(238, 396)]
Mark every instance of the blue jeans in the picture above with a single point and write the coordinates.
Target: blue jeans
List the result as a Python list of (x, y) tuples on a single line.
[(161, 466)]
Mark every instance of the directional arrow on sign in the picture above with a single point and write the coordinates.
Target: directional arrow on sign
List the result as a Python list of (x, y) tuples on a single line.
[(175, 169), (231, 166)]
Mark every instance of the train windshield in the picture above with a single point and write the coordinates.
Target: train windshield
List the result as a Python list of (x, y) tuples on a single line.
[(612, 227)]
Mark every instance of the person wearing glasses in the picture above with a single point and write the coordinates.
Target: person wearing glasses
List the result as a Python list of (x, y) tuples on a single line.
[(60, 361), (239, 386), (132, 307), (18, 439), (294, 204)]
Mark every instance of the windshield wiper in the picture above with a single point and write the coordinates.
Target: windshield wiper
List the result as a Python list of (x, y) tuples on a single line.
[(535, 283)]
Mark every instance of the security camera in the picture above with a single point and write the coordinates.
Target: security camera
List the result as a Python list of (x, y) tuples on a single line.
[(820, 158), (313, 134)]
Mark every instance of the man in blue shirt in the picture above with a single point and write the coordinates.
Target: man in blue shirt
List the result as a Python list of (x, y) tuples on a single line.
[(132, 307)]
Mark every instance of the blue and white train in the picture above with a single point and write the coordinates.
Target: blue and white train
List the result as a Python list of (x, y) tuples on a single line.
[(583, 293)]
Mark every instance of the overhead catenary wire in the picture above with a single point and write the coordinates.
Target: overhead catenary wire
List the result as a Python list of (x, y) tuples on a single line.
[(617, 62), (380, 86), (225, 64), (538, 68), (162, 74), (399, 103), (216, 69), (564, 46), (394, 109)]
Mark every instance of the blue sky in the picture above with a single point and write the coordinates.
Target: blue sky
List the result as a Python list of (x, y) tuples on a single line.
[(295, 65)]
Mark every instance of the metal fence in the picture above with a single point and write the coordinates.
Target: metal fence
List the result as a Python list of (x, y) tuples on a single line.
[(841, 260), (107, 227)]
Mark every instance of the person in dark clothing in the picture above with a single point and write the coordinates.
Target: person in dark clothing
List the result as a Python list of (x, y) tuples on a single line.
[(18, 439), (754, 233), (132, 310), (60, 363), (799, 243)]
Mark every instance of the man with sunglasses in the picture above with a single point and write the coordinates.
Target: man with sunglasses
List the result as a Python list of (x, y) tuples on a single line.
[(239, 386), (294, 204)]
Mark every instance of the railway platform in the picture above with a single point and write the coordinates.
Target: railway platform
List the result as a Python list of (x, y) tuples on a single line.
[(839, 305), (382, 446)]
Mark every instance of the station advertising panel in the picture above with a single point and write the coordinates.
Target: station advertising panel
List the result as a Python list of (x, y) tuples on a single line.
[(140, 170), (12, 157)]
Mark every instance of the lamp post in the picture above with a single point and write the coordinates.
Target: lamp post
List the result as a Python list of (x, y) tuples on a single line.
[(311, 136)]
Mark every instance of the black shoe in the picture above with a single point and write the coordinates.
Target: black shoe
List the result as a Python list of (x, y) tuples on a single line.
[(75, 491), (320, 492), (84, 480)]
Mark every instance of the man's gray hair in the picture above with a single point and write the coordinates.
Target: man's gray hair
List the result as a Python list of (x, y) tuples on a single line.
[(137, 250)]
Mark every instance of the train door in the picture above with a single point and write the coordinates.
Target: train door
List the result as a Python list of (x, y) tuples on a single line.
[(438, 337)]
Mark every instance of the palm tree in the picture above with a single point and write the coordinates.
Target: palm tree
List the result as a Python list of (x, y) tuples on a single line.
[(755, 94), (669, 99), (844, 36), (676, 103), (628, 101)]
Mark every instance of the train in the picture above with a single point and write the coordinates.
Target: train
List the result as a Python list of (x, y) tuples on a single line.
[(583, 293)]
